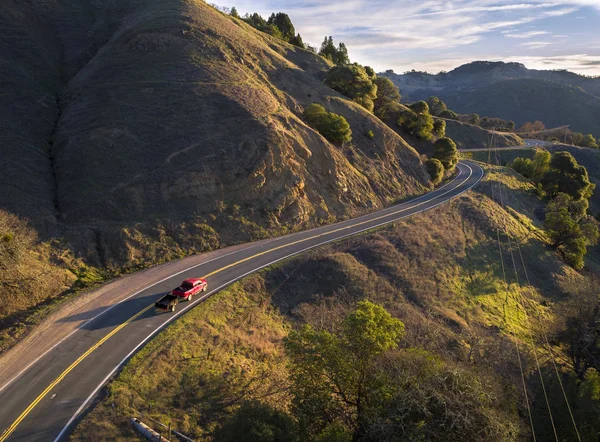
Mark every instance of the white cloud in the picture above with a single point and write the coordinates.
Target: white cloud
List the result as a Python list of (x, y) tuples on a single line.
[(380, 31), (527, 34)]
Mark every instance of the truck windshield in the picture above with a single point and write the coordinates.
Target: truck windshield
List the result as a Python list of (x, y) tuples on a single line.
[(186, 287)]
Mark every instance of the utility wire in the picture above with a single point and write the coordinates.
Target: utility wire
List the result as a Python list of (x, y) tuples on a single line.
[(562, 388), (507, 289), (503, 202)]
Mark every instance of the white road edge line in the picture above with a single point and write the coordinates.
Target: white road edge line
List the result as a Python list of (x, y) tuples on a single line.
[(35, 361), (160, 327)]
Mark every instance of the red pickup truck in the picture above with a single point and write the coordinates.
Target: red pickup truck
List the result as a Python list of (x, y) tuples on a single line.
[(186, 290)]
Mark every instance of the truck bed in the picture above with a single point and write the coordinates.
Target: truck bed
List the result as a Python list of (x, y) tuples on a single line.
[(167, 302)]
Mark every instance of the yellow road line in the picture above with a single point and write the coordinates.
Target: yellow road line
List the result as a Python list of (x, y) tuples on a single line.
[(56, 381), (37, 400), (328, 233)]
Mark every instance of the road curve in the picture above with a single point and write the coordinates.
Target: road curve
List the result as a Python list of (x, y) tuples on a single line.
[(41, 402)]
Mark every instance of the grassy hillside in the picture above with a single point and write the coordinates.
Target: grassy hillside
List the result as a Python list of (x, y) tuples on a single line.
[(586, 157), (158, 113), (135, 132), (468, 136), (530, 99), (511, 91), (438, 272)]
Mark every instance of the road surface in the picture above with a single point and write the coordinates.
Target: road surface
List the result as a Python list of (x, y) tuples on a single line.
[(48, 380)]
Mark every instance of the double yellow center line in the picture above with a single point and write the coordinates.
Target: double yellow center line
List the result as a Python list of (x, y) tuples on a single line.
[(22, 416), (56, 381)]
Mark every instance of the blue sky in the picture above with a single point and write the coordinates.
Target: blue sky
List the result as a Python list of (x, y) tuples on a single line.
[(435, 35)]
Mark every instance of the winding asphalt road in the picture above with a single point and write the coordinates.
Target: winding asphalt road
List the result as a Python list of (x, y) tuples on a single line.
[(41, 395)]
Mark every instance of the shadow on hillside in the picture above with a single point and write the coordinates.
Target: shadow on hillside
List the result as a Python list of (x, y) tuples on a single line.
[(540, 264), (118, 314)]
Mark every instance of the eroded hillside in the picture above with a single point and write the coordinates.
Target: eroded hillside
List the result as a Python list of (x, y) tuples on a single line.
[(126, 123)]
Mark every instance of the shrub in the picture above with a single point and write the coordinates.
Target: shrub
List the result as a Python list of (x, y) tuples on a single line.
[(565, 175), (436, 106), (445, 150), (354, 82), (439, 128), (450, 115), (420, 107), (419, 125), (388, 95), (332, 126), (435, 168), (256, 422)]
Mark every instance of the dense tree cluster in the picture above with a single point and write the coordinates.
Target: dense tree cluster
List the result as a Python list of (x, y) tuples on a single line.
[(445, 151), (332, 126), (337, 55), (351, 381), (435, 168), (278, 25), (568, 187), (417, 120), (388, 97), (353, 81)]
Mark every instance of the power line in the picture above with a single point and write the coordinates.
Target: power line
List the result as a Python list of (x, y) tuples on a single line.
[(522, 302), (506, 288), (562, 388)]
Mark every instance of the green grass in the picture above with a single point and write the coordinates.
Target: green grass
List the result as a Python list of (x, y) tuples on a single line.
[(439, 272)]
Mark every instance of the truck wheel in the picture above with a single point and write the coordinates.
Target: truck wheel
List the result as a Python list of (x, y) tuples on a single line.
[(204, 288), (190, 297), (172, 308)]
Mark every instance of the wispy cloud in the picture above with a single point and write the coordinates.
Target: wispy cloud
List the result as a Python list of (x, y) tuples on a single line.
[(380, 31), (527, 34)]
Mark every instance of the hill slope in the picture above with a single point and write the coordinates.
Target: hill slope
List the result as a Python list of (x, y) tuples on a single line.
[(129, 121), (438, 272), (511, 91)]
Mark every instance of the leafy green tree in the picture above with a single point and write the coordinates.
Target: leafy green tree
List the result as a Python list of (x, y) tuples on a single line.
[(565, 175), (439, 128), (341, 57), (353, 81), (435, 168), (511, 126), (445, 150), (333, 127), (283, 22), (420, 107), (419, 125), (474, 119), (436, 106), (388, 96), (256, 422), (541, 164), (258, 22), (589, 141), (331, 372), (570, 229), (448, 114), (234, 13), (524, 166), (297, 41), (328, 49), (370, 72)]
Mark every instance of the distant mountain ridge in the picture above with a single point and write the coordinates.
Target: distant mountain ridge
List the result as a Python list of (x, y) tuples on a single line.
[(510, 91)]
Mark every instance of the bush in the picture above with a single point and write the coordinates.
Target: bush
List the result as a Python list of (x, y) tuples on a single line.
[(450, 115), (445, 150), (439, 128), (419, 125), (435, 168), (420, 107), (256, 422), (354, 82), (332, 126), (388, 95), (436, 106)]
